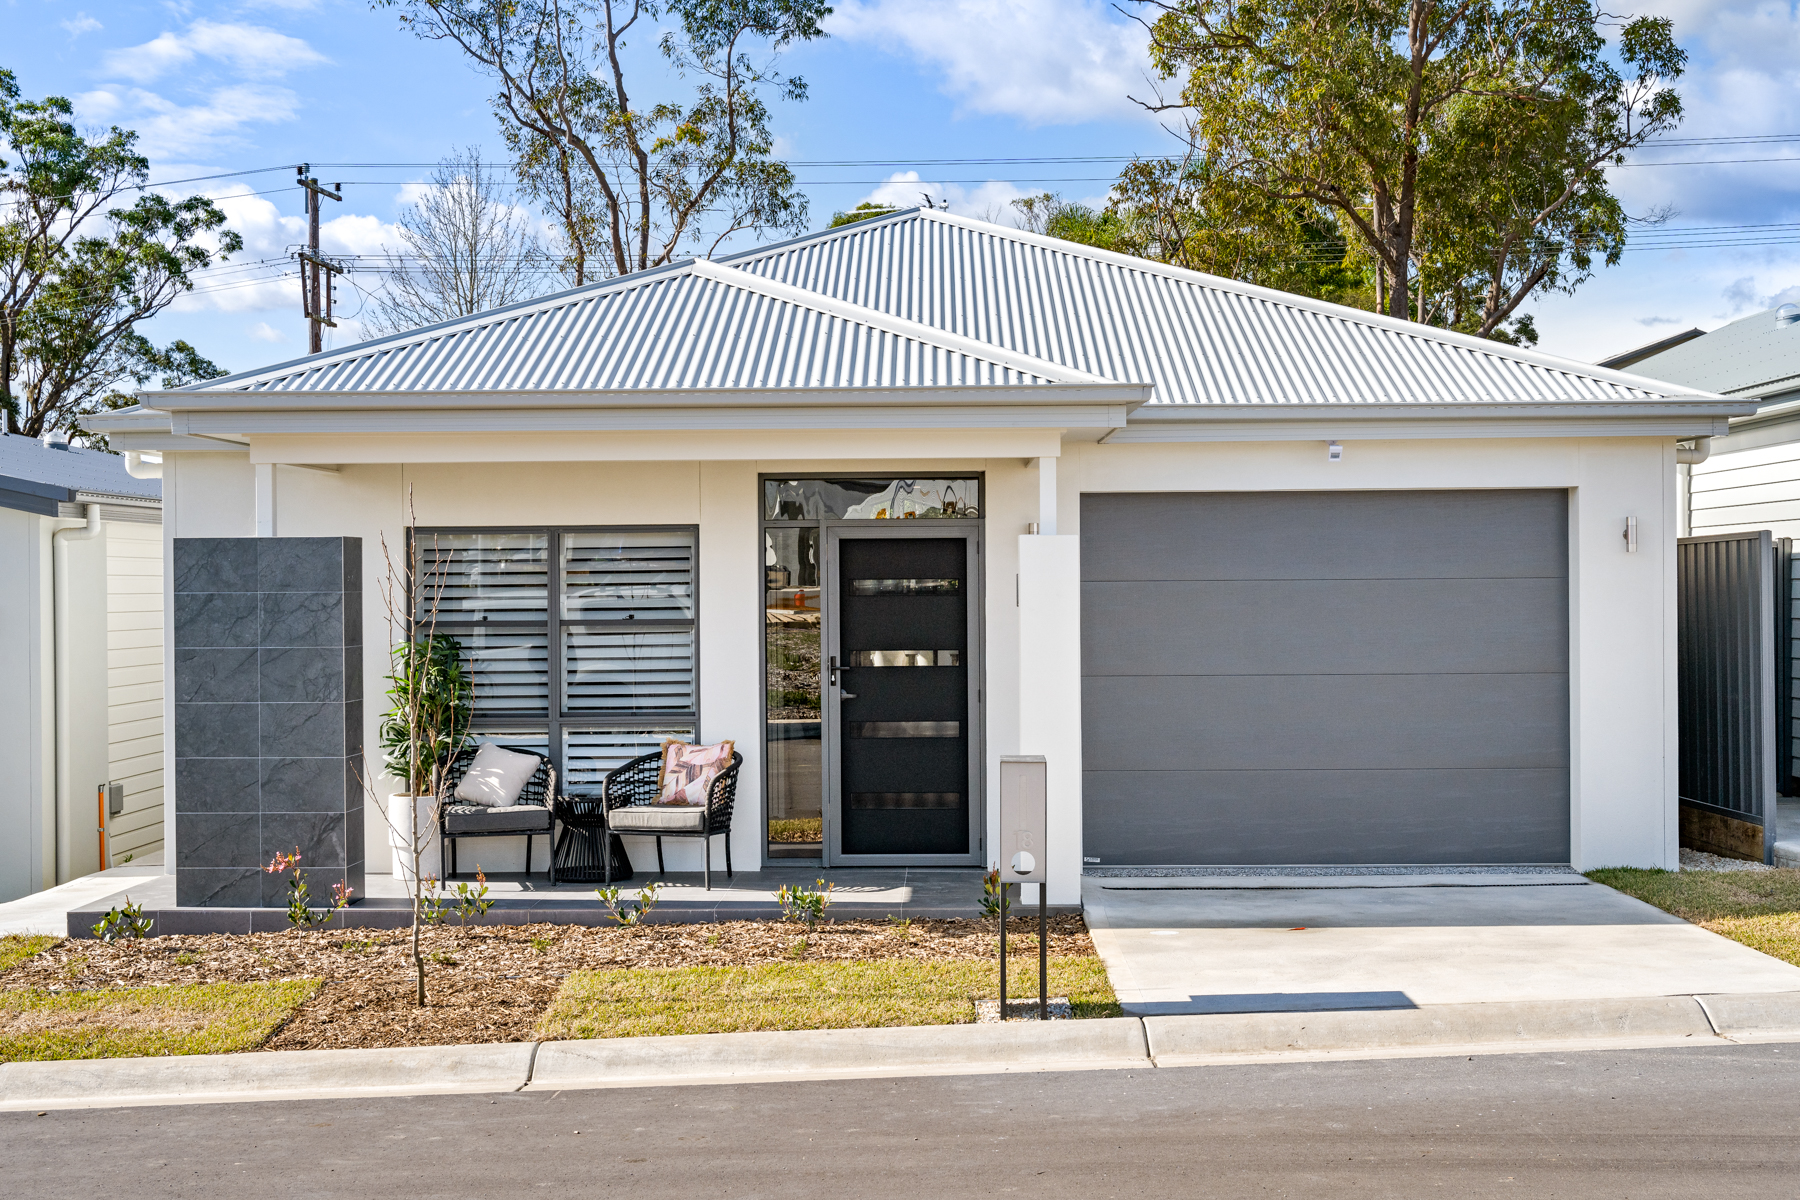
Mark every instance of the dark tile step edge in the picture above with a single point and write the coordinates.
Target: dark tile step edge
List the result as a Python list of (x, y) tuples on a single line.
[(274, 920)]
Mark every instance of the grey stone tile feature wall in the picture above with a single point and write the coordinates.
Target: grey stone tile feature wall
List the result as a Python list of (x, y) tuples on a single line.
[(267, 666)]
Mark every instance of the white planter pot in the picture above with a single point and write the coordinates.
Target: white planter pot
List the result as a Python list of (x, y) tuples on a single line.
[(412, 813)]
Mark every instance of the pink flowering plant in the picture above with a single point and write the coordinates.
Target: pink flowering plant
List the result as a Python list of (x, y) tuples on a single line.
[(301, 914)]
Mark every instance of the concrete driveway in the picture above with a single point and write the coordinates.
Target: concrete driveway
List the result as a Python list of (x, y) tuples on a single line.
[(1240, 944)]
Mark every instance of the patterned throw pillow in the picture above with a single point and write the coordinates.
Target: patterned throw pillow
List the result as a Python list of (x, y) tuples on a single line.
[(688, 770)]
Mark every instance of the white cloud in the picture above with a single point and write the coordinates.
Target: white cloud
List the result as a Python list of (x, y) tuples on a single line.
[(246, 49), (167, 129), (1046, 62), (262, 331), (261, 277), (81, 23)]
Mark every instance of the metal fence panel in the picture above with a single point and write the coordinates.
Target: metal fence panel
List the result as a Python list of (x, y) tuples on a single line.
[(1727, 670)]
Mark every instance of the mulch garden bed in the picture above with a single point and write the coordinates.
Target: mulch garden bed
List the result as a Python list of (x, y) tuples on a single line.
[(490, 983)]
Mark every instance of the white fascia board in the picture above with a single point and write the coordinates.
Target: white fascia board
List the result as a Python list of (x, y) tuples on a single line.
[(1030, 395), (175, 443), (1326, 429), (1095, 415)]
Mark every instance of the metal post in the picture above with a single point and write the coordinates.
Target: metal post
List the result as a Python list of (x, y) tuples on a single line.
[(1003, 886), (1043, 952)]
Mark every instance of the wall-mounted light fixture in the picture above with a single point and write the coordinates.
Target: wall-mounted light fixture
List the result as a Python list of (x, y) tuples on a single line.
[(1334, 452), (1631, 535)]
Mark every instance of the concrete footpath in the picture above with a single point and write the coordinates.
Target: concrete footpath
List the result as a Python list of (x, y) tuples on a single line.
[(1120, 1043)]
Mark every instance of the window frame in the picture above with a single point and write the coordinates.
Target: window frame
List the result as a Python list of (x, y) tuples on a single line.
[(555, 719)]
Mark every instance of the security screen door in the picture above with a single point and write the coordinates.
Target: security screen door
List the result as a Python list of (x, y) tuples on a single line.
[(902, 696)]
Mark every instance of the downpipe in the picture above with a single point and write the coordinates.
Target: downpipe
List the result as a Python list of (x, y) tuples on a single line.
[(61, 700), (1698, 454), (137, 468)]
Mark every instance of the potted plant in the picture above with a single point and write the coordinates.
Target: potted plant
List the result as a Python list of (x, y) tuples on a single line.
[(420, 736)]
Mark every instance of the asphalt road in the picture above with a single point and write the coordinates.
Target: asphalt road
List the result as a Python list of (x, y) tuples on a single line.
[(1708, 1122)]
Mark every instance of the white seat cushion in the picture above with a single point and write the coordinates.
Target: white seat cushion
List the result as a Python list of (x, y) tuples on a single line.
[(496, 777), (658, 818)]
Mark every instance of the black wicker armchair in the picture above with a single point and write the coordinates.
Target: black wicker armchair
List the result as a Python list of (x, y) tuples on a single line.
[(529, 816), (630, 795)]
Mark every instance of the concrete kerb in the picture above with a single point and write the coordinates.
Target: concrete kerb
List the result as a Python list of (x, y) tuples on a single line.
[(1109, 1044)]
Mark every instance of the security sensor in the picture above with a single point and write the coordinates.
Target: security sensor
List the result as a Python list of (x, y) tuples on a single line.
[(1334, 452), (1023, 863)]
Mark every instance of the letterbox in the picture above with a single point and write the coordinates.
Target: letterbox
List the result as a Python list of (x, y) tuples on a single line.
[(1023, 819)]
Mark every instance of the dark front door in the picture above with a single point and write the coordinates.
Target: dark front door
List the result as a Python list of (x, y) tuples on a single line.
[(900, 698)]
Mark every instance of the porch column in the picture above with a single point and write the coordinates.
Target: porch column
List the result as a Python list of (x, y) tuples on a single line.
[(265, 499), (1050, 687), (1046, 473)]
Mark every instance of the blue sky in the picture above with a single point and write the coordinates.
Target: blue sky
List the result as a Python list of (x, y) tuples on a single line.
[(214, 87)]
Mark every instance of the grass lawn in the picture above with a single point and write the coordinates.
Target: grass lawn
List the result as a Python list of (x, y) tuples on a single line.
[(206, 1018), (15, 948), (1761, 909), (636, 1002)]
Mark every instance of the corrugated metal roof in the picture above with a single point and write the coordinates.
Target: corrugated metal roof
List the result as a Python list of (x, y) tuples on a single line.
[(695, 325), (1752, 354), (1200, 339), (76, 469)]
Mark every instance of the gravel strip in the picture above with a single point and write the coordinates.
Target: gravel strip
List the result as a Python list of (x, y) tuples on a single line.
[(987, 1012), (1700, 860)]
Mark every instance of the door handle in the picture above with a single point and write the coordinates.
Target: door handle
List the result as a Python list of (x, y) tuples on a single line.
[(843, 695)]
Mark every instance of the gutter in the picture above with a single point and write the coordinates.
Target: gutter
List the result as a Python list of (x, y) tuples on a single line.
[(59, 589)]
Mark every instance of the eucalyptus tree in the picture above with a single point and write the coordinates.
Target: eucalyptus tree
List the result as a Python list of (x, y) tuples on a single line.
[(1467, 140), (640, 179), (80, 267)]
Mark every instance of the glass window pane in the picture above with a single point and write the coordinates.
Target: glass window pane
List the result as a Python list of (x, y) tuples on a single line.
[(509, 670), (645, 575), (589, 754), (628, 672), (791, 649), (870, 499), (481, 576)]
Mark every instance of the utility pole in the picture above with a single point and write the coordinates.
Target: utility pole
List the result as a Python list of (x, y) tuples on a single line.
[(315, 271)]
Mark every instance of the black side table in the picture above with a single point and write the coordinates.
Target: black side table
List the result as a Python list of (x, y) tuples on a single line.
[(583, 820)]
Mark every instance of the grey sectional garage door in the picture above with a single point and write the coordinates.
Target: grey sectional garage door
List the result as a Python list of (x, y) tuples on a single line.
[(1344, 677)]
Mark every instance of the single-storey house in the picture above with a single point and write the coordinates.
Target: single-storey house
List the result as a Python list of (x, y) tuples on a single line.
[(81, 648), (1267, 580)]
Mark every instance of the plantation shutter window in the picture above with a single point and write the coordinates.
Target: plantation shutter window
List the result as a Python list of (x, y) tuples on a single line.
[(581, 641)]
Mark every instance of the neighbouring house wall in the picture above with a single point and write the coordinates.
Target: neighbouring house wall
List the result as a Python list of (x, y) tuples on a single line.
[(134, 668), (84, 607), (1746, 487), (22, 718), (1622, 654), (112, 603)]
